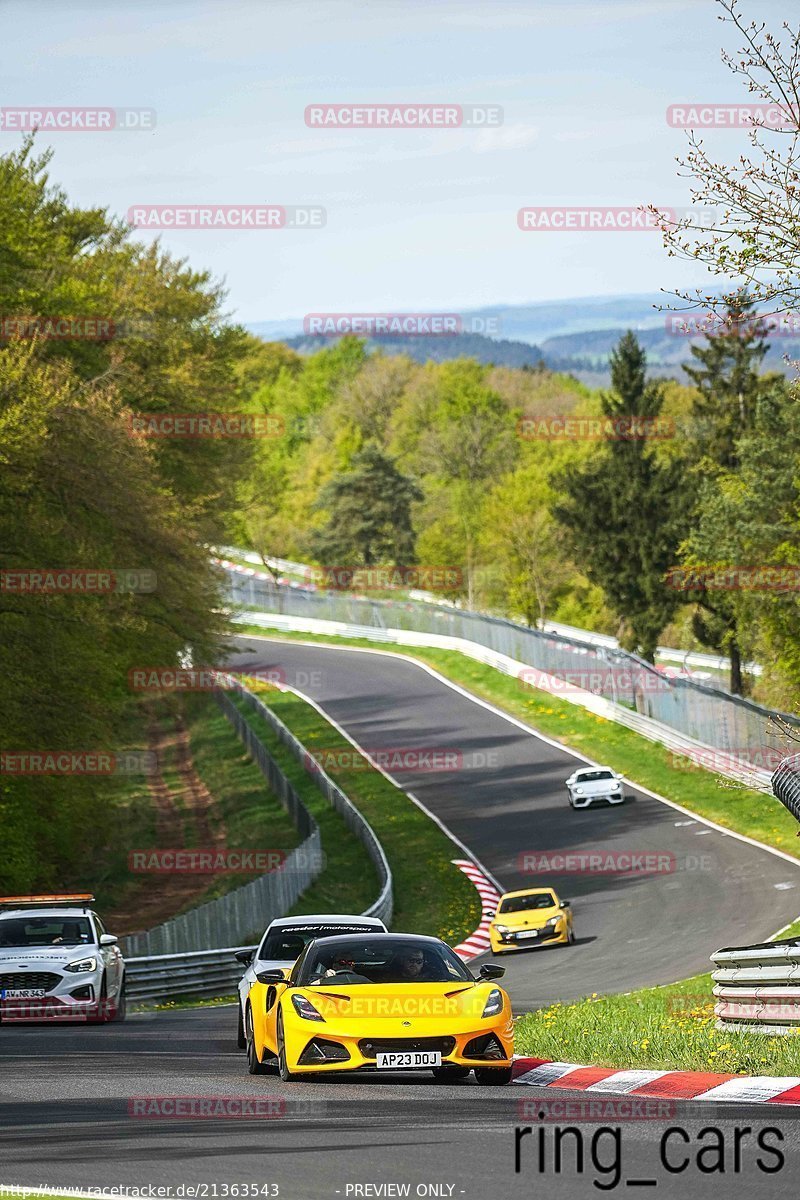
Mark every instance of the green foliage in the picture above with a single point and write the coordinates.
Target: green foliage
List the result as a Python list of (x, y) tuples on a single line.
[(624, 508), (78, 492), (369, 514)]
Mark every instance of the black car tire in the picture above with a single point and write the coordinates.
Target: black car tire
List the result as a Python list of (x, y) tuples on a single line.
[(492, 1076)]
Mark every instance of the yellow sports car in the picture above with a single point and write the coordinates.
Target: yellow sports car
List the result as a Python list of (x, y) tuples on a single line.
[(533, 917), (378, 1001)]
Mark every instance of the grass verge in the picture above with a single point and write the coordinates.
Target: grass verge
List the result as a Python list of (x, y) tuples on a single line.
[(431, 896), (348, 882), (649, 764), (664, 1028)]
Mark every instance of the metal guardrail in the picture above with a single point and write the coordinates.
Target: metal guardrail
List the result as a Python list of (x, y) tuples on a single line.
[(156, 971), (699, 711), (207, 973), (757, 988), (356, 823)]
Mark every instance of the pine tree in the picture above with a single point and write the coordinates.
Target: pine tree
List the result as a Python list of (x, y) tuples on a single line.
[(369, 509), (727, 381), (625, 507)]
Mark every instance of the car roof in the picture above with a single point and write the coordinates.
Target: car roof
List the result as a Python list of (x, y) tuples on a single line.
[(599, 767), (528, 892), (45, 912), (326, 918)]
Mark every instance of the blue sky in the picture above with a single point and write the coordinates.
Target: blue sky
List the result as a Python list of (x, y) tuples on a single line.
[(416, 220)]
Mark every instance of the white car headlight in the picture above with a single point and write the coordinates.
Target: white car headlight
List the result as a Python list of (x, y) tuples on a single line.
[(500, 928), (551, 924), (83, 964), (494, 1004), (578, 791)]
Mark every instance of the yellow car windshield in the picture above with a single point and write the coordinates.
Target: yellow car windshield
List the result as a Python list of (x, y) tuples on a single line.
[(380, 959)]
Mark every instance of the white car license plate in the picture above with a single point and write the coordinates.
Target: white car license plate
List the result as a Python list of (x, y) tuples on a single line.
[(531, 933), (22, 994), (408, 1058)]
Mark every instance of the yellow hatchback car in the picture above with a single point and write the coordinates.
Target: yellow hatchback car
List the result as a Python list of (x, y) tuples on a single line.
[(385, 1002), (532, 917)]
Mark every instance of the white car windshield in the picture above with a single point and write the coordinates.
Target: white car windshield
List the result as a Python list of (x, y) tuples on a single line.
[(19, 932), (594, 776), (287, 943)]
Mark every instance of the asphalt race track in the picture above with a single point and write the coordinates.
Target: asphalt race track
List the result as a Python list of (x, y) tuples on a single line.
[(95, 1106), (70, 1095), (633, 930)]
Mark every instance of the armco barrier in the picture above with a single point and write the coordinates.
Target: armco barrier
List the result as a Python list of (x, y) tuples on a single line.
[(247, 910), (168, 976), (705, 715), (757, 988), (356, 823)]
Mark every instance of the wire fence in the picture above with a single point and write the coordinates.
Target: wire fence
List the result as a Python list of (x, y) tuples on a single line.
[(758, 736)]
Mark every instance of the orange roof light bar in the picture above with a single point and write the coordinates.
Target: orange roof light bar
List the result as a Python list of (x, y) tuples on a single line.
[(72, 898)]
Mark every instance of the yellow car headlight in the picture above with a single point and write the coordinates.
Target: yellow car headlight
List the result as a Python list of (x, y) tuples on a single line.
[(494, 1004), (304, 1008)]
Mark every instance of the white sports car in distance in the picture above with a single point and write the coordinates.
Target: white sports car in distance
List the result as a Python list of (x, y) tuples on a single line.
[(594, 785), (57, 962), (285, 940)]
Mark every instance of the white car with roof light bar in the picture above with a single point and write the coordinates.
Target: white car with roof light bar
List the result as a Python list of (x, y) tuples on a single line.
[(58, 961), (594, 785), (283, 943)]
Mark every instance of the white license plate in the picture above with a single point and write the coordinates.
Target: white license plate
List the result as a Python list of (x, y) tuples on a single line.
[(408, 1058), (22, 994), (532, 933)]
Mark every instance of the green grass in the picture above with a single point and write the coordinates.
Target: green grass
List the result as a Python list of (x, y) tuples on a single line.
[(348, 882), (646, 763), (180, 1003), (654, 1028), (431, 896)]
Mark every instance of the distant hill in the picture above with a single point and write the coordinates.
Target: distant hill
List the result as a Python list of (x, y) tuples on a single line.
[(440, 349), (530, 323), (571, 336), (586, 354)]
